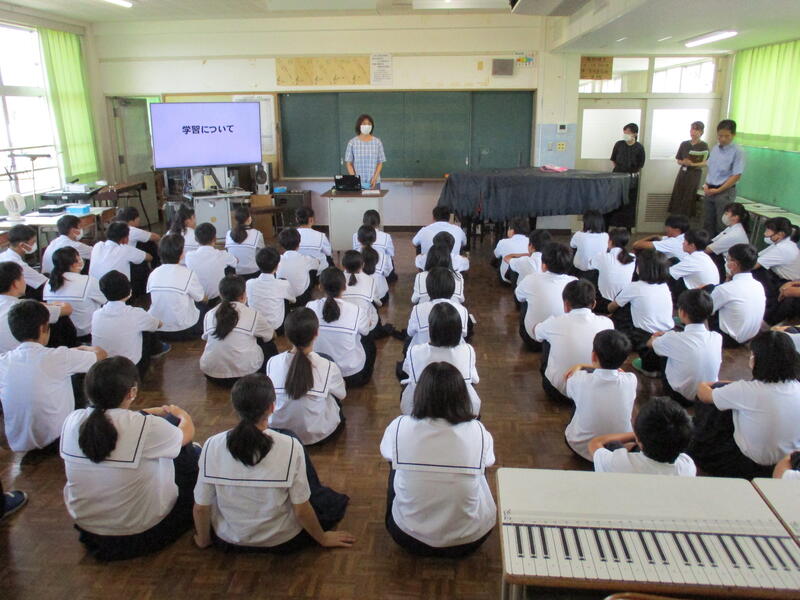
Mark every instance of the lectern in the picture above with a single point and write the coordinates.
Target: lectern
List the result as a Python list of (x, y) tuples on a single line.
[(346, 211)]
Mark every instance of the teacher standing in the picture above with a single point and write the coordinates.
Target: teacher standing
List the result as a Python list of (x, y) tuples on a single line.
[(691, 156), (364, 155), (627, 157)]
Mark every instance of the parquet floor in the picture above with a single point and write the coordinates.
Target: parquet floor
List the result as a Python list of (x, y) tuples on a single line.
[(40, 557)]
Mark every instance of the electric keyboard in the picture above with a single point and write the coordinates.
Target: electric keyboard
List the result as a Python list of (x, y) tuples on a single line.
[(783, 496), (642, 533)]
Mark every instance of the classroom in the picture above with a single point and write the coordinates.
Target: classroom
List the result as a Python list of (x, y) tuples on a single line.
[(437, 299)]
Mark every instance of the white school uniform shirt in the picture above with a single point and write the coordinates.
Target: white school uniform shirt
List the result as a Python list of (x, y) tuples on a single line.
[(133, 489), (295, 268), (795, 340), (697, 270), (728, 238), (383, 269), (462, 357), (246, 251), (622, 461), (571, 337), (460, 263), (32, 277), (671, 247), (693, 355), (117, 328), (525, 265), (424, 237), (442, 496), (314, 243), (84, 250), (253, 506), (383, 241), (189, 243), (587, 245), (651, 305), (783, 258), (7, 340), (516, 244), (36, 392), (417, 327), (542, 291), (420, 290), (314, 416), (766, 417), (791, 474), (266, 293), (612, 274), (238, 353), (341, 339), (173, 291), (140, 236), (83, 294), (209, 265), (363, 294), (111, 256), (741, 303), (603, 404)]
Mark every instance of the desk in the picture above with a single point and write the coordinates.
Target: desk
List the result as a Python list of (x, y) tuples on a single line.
[(759, 214), (216, 208), (346, 214)]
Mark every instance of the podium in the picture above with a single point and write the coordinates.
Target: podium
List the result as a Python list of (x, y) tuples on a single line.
[(346, 212)]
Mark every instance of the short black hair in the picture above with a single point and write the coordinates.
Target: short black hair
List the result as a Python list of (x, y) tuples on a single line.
[(557, 257), (579, 294), (444, 239), (360, 120), (117, 231), (698, 125), (744, 254), (539, 238), (441, 213), (372, 218), (303, 215), (632, 127), (652, 266), (777, 225), (289, 238), (593, 221), (9, 273), (612, 348), (699, 238), (440, 283), (170, 248), (444, 325), (697, 305), (115, 286), (664, 429), (20, 233), (267, 259), (728, 125), (26, 319), (679, 222), (205, 234), (774, 357), (126, 214), (67, 223), (520, 225), (441, 393)]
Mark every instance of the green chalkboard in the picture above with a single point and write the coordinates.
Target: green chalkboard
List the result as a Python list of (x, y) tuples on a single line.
[(772, 177), (313, 132)]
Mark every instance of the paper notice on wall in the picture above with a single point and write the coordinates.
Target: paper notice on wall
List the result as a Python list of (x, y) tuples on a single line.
[(381, 69), (267, 104)]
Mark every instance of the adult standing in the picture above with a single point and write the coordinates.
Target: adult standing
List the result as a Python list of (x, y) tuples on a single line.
[(691, 156), (725, 168), (364, 155), (628, 157)]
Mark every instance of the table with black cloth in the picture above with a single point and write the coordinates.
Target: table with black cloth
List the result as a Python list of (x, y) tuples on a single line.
[(500, 194)]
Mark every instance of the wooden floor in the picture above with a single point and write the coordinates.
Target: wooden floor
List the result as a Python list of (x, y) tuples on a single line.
[(40, 557)]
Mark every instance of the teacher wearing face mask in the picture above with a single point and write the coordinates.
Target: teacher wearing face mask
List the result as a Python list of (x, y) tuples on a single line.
[(364, 155)]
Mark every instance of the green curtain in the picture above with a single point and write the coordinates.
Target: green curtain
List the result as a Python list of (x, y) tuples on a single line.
[(765, 96), (69, 100)]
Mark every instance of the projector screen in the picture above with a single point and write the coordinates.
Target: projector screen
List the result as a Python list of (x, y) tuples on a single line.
[(205, 134)]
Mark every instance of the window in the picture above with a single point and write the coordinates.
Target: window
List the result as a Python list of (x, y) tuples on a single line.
[(26, 125), (685, 75), (601, 125), (627, 75), (670, 127)]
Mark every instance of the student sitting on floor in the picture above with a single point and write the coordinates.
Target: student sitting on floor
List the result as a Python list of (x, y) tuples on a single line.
[(590, 242), (266, 293), (695, 269), (209, 264), (313, 243), (123, 330), (615, 268), (244, 242), (778, 263), (70, 233), (523, 264), (257, 490), (446, 241), (738, 303), (539, 294), (115, 254), (438, 500), (735, 218), (567, 339), (361, 288), (440, 288), (175, 292), (788, 467), (183, 223), (671, 243), (423, 239), (376, 263), (22, 242), (130, 473), (742, 428), (238, 338), (661, 434), (383, 241), (515, 242), (309, 388), (446, 345), (692, 355), (439, 256), (298, 269), (344, 330), (143, 240), (602, 392), (36, 384)]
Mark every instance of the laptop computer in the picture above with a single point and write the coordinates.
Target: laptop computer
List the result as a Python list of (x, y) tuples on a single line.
[(347, 183)]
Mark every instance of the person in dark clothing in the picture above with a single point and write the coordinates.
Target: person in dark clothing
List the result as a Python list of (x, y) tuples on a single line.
[(628, 157)]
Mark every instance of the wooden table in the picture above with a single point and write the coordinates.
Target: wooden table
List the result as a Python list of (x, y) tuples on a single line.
[(346, 212)]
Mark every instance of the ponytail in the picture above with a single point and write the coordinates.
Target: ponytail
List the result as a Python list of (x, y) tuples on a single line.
[(367, 237), (183, 214), (239, 231), (333, 284), (620, 237), (353, 262), (231, 289), (63, 259), (252, 396), (98, 436), (301, 327)]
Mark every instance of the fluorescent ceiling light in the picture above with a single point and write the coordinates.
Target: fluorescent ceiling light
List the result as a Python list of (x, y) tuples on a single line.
[(622, 39), (711, 37), (123, 3), (459, 4), (664, 39)]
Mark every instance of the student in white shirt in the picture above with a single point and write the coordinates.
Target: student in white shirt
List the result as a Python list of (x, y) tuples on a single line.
[(738, 303), (788, 467), (244, 242), (309, 387), (298, 269), (441, 222), (81, 291), (438, 256), (670, 244), (124, 330), (238, 338), (36, 383), (778, 263), (743, 428), (257, 487), (176, 294), (22, 242), (567, 339), (539, 294), (130, 474), (695, 269), (209, 264), (183, 223), (615, 268), (590, 242), (266, 293), (115, 254), (446, 241), (143, 240), (376, 263), (70, 233), (383, 241), (438, 501), (312, 242), (788, 304), (692, 355), (656, 446), (522, 264), (344, 329), (735, 218), (441, 285), (515, 242), (361, 289)]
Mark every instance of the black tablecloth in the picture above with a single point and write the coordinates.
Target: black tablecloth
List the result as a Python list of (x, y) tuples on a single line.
[(499, 194)]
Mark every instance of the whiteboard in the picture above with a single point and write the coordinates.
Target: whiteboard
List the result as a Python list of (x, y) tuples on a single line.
[(267, 103)]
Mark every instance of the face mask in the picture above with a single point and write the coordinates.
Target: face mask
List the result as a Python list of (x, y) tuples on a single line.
[(366, 129), (628, 137), (726, 220), (32, 248), (768, 241)]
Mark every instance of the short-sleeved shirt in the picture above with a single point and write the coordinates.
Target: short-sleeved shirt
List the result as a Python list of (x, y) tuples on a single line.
[(697, 270), (245, 251), (693, 355), (268, 295), (723, 162), (671, 247), (728, 238), (238, 353), (111, 256), (651, 305), (62, 241), (628, 158), (516, 244), (83, 293), (365, 157), (686, 147), (7, 340), (783, 258), (209, 265), (612, 274), (117, 328), (32, 277), (622, 461), (587, 245), (542, 291), (740, 303), (173, 290)]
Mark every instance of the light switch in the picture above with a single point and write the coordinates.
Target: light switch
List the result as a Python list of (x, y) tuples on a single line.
[(561, 146)]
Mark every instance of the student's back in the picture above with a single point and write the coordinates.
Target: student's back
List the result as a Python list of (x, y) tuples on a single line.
[(209, 264), (174, 288)]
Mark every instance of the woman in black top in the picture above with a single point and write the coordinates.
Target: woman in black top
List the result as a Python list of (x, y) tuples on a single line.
[(692, 155), (628, 157)]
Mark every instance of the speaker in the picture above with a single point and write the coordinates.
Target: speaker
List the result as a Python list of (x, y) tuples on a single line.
[(262, 178)]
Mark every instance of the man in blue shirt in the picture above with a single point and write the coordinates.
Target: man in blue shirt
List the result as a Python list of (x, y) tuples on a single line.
[(725, 167)]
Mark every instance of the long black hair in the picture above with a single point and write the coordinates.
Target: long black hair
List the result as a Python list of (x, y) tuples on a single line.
[(737, 209), (239, 231), (441, 393), (366, 237), (301, 328), (231, 289), (63, 259), (774, 357), (439, 256), (782, 225), (183, 214), (107, 384), (620, 237), (252, 396), (333, 283), (593, 221), (353, 262)]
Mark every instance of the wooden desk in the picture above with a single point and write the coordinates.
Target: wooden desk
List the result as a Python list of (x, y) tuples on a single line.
[(346, 212)]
